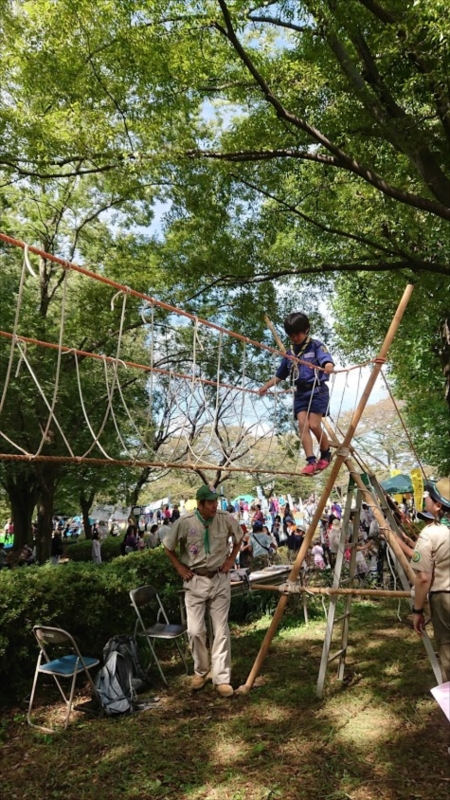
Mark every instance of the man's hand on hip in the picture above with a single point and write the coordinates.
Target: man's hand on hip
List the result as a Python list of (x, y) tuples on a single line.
[(185, 572), (228, 564)]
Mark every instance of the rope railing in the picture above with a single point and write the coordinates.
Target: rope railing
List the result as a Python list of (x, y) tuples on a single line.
[(153, 301)]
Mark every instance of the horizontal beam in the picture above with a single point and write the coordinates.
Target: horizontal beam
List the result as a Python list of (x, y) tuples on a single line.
[(285, 588)]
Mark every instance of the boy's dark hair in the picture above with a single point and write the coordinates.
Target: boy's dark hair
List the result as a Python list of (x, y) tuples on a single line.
[(296, 323)]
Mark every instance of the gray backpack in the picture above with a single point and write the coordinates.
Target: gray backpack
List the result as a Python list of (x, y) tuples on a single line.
[(121, 678), (114, 698)]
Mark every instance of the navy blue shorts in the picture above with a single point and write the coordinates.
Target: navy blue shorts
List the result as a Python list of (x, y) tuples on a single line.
[(317, 405)]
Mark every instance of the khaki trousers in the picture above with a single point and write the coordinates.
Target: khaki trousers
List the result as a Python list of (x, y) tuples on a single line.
[(440, 617), (202, 594)]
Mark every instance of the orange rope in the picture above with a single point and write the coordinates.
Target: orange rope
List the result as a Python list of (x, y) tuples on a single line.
[(112, 360), (153, 301)]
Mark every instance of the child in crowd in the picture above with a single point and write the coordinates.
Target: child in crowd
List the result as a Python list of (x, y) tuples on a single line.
[(311, 399), (317, 553)]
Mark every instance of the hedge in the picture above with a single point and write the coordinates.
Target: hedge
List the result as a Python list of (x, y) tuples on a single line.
[(89, 600), (81, 550)]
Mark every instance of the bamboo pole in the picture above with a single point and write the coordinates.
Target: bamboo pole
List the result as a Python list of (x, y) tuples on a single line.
[(325, 590), (341, 455)]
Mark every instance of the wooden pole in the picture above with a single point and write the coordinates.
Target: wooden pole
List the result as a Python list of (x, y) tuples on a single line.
[(378, 514), (341, 455), (325, 590)]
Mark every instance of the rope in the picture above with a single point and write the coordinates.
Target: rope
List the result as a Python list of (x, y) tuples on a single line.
[(15, 327), (119, 287), (343, 452), (41, 392), (133, 364), (86, 417), (408, 436), (45, 432)]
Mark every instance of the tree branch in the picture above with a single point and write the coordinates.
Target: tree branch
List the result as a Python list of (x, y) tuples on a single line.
[(346, 162), (378, 11), (325, 228), (281, 23)]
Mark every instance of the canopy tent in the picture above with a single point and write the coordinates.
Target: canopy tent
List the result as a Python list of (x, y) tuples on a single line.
[(248, 498), (156, 504), (398, 484)]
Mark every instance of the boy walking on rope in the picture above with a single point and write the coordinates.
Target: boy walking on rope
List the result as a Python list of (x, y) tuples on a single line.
[(312, 396)]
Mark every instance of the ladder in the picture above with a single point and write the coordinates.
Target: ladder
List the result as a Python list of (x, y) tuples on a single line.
[(328, 657)]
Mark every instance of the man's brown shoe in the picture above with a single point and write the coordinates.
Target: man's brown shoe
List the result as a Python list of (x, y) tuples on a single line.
[(225, 690), (198, 682)]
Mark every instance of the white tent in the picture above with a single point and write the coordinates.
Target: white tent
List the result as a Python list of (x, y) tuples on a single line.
[(105, 512), (156, 504)]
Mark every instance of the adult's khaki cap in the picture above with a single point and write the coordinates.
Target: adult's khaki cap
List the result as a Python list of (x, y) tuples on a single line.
[(439, 491)]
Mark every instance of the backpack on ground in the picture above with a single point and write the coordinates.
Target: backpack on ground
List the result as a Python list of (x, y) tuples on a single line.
[(121, 678)]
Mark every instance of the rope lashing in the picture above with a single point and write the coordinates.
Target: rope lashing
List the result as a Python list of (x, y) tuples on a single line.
[(343, 452)]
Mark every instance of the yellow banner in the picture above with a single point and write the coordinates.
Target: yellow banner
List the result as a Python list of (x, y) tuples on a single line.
[(397, 497), (417, 482)]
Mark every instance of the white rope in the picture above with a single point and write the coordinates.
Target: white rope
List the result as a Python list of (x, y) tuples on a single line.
[(113, 415), (28, 262), (45, 432), (15, 327), (149, 420), (41, 392), (20, 361), (110, 393), (214, 416), (86, 416)]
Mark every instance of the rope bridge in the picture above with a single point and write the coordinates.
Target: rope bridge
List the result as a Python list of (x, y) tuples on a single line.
[(189, 401)]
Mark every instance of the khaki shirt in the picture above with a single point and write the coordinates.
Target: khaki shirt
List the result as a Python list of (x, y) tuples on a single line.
[(188, 533), (432, 554)]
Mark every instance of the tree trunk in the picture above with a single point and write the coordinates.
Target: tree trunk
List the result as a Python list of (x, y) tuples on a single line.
[(133, 494), (86, 505), (444, 353), (22, 493), (45, 509)]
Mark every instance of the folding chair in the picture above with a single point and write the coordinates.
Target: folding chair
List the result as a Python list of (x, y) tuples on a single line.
[(62, 666), (142, 597)]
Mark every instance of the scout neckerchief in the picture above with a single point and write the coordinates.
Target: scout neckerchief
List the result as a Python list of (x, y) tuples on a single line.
[(206, 524), (295, 366)]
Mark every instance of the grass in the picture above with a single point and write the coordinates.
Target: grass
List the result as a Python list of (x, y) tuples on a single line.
[(378, 735)]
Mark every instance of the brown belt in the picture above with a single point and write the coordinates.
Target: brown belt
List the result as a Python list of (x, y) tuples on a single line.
[(204, 573)]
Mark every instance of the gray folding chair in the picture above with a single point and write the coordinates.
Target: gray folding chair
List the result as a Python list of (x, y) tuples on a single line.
[(142, 597), (68, 665)]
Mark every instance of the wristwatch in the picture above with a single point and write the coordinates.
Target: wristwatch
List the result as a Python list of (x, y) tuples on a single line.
[(417, 610)]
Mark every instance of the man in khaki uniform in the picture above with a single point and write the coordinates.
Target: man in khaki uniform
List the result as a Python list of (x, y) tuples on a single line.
[(431, 562), (204, 563)]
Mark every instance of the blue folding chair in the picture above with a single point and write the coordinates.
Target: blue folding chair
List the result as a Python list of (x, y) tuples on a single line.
[(68, 665)]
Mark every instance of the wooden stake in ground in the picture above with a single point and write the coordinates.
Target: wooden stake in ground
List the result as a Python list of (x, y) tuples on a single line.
[(341, 455)]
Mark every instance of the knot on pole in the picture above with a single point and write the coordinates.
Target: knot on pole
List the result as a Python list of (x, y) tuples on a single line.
[(343, 452), (379, 360), (290, 587)]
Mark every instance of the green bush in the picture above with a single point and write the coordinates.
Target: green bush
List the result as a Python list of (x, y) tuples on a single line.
[(81, 550), (91, 601)]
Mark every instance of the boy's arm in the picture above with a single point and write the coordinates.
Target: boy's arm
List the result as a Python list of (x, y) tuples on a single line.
[(272, 382)]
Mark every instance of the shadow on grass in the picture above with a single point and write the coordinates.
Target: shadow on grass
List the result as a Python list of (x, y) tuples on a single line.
[(377, 735)]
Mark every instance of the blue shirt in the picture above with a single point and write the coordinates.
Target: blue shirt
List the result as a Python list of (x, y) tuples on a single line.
[(316, 353)]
